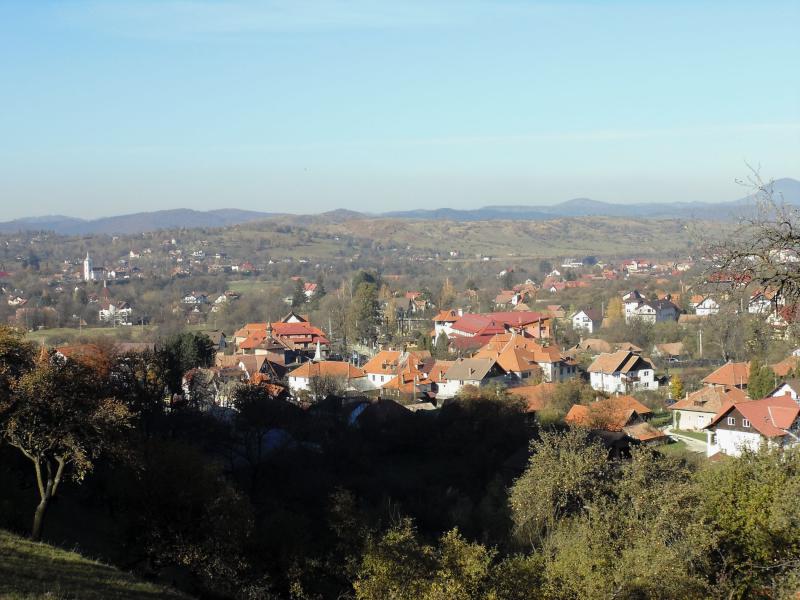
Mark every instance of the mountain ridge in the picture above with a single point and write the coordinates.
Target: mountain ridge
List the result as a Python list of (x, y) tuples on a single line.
[(787, 189)]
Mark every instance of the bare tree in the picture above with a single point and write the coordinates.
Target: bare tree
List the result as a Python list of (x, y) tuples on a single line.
[(764, 249)]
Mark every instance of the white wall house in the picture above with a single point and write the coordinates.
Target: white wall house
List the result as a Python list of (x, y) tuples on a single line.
[(588, 320), (749, 425), (707, 306), (622, 371)]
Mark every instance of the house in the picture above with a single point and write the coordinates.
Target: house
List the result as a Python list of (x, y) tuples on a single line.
[(470, 371), (116, 313), (195, 298), (744, 426), (730, 375), (622, 371), (696, 410), (548, 358), (617, 414), (515, 360), (786, 366), (631, 301), (383, 367), (588, 320), (790, 386), (443, 322), (488, 324), (706, 306), (654, 311), (351, 378), (763, 302), (309, 289)]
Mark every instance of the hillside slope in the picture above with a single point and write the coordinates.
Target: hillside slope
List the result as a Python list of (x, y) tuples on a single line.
[(33, 571)]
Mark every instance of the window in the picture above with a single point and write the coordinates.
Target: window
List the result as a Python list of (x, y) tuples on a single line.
[(731, 421), (745, 423)]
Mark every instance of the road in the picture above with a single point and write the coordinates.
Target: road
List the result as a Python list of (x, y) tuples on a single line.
[(692, 444)]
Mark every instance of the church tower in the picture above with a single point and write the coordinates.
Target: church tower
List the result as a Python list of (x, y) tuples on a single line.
[(87, 268)]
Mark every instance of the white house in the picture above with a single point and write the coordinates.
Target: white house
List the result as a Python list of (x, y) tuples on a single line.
[(443, 322), (747, 425), (653, 311), (350, 377), (707, 306), (631, 302), (697, 410), (588, 320), (116, 313), (622, 371), (469, 371)]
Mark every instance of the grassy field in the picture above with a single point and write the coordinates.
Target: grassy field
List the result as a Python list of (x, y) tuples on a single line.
[(698, 435), (70, 333), (31, 571)]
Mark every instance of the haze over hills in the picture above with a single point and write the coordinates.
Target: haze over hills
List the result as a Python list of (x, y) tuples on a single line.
[(786, 189)]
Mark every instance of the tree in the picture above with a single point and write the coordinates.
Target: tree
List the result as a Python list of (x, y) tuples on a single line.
[(299, 297), (763, 249), (565, 471), (761, 380), (363, 315), (16, 358), (58, 421), (676, 387), (182, 352), (442, 347), (448, 295), (322, 386), (614, 310)]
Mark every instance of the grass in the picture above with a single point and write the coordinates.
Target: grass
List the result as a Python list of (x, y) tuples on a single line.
[(697, 435), (71, 333), (674, 448), (661, 419), (33, 571)]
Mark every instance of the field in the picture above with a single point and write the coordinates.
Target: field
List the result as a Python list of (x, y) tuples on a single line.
[(32, 571), (69, 334)]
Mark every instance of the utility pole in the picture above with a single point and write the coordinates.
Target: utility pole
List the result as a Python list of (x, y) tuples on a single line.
[(700, 336)]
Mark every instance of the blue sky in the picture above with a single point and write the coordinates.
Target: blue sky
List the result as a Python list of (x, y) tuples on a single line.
[(120, 106)]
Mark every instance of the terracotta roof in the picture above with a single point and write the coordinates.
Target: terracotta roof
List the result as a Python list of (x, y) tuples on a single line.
[(730, 375), (644, 432), (385, 362), (611, 414), (437, 372), (787, 365), (769, 416), (496, 322), (446, 316), (594, 344), (511, 358), (710, 399), (536, 396), (327, 368)]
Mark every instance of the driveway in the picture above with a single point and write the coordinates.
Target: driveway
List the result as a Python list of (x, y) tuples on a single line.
[(692, 444)]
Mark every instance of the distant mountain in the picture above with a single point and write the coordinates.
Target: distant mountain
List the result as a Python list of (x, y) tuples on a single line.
[(787, 190), (135, 223)]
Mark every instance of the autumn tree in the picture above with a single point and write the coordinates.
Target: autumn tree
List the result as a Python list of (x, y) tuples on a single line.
[(56, 417), (676, 387)]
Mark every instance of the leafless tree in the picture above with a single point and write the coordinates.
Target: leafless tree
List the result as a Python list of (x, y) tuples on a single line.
[(764, 249)]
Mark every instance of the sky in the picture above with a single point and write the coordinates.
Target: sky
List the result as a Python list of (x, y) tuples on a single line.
[(120, 106)]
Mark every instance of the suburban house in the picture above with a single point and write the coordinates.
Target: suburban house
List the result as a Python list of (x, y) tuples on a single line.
[(485, 325), (730, 375), (705, 306), (383, 367), (747, 425), (443, 322), (515, 360), (763, 302), (654, 311), (116, 313), (350, 377), (292, 336), (790, 386), (470, 371), (618, 414), (622, 371), (553, 365), (697, 410), (588, 320), (631, 301)]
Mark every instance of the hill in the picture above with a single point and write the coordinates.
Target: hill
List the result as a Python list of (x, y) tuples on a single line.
[(32, 571), (137, 222)]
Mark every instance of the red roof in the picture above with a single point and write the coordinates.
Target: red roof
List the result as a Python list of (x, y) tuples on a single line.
[(769, 416)]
